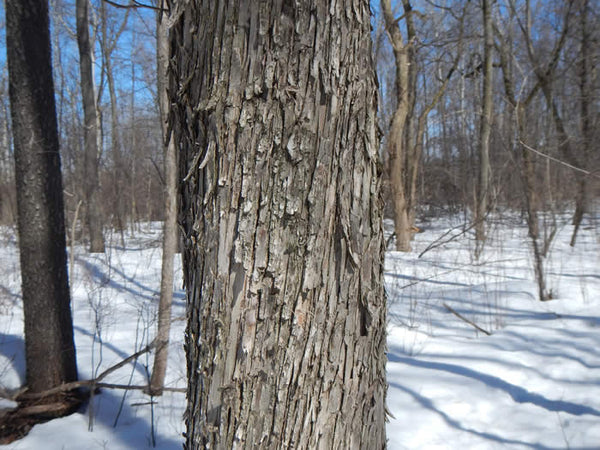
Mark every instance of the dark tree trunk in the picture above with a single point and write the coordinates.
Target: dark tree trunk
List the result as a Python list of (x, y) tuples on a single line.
[(584, 67), (274, 115), (50, 352), (91, 151)]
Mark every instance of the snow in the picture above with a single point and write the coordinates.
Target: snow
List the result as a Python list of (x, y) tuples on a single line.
[(533, 383)]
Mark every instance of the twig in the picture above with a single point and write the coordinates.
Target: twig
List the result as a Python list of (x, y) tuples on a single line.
[(137, 387), (556, 160), (437, 242), (133, 5), (10, 394), (160, 175), (461, 317), (95, 382)]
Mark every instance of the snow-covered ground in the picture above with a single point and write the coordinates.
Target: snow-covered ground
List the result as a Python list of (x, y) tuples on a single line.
[(533, 383)]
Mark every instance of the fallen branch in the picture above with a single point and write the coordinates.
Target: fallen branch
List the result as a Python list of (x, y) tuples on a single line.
[(134, 387), (85, 383), (463, 318), (10, 394)]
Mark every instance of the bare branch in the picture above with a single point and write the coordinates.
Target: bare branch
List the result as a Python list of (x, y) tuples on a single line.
[(439, 242), (134, 4), (556, 160), (93, 383), (463, 318)]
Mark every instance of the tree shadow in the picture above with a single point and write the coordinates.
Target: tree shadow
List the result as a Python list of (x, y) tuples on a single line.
[(101, 278), (111, 347), (517, 393), (428, 404), (131, 429), (14, 298), (12, 347)]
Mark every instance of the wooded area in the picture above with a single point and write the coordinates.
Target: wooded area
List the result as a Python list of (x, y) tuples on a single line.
[(272, 139), (540, 66)]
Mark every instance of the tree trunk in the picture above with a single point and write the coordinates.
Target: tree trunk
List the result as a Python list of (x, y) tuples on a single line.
[(528, 176), (396, 140), (170, 227), (49, 348), (585, 91), (92, 151), (528, 167), (275, 119), (119, 170), (406, 134), (485, 127)]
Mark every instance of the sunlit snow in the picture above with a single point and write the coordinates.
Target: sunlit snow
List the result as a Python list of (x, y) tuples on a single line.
[(533, 384)]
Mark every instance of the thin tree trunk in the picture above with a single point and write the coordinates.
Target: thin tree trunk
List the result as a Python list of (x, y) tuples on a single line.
[(92, 150), (528, 173), (170, 227), (275, 120), (585, 96), (119, 171), (406, 134), (544, 73), (132, 172), (485, 127), (49, 347), (396, 139)]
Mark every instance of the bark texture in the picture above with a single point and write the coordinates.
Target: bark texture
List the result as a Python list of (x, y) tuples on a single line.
[(49, 348), (91, 150), (274, 115)]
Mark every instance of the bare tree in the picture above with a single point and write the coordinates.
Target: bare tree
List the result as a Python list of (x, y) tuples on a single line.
[(396, 136), (520, 105), (407, 129), (7, 171), (585, 68), (108, 44), (49, 348), (170, 226), (274, 115), (485, 125), (91, 132), (546, 80)]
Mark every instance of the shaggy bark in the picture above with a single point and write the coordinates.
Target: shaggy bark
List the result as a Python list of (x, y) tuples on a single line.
[(274, 115)]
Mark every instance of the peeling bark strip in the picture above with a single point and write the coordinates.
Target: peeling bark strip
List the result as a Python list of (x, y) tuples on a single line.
[(274, 115)]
